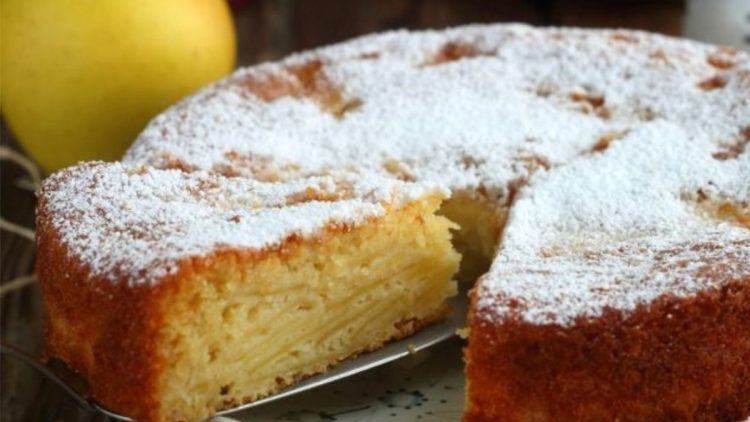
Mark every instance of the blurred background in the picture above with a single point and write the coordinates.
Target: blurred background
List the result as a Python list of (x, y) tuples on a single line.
[(269, 29), (81, 78)]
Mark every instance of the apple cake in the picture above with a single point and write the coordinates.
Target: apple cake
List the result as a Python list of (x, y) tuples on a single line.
[(596, 183), (177, 294)]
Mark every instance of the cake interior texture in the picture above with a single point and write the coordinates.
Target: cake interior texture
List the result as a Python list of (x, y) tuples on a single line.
[(477, 234), (236, 328), (259, 327)]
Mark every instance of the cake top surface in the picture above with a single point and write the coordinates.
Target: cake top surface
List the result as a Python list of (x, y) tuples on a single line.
[(628, 148), (655, 214), (138, 223), (466, 107)]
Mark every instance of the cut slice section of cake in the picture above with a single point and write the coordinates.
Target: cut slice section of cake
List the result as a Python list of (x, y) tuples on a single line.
[(178, 294)]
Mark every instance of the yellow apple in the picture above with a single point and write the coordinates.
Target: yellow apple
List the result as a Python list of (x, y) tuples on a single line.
[(81, 78)]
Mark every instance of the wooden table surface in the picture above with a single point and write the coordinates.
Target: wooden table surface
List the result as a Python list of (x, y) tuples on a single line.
[(267, 30)]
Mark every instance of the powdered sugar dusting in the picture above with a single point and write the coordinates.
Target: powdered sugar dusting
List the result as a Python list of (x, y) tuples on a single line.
[(621, 228), (513, 101), (137, 223), (617, 133)]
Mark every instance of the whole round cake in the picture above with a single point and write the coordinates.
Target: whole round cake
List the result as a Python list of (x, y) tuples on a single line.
[(597, 184)]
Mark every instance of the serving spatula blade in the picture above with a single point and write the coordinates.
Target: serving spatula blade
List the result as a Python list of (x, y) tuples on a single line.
[(428, 336)]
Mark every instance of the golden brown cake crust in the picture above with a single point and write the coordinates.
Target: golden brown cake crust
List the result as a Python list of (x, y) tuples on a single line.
[(119, 321), (676, 359)]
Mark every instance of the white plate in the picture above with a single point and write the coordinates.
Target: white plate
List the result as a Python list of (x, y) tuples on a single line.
[(428, 385)]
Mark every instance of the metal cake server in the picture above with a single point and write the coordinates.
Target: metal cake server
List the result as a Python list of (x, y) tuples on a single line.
[(435, 333)]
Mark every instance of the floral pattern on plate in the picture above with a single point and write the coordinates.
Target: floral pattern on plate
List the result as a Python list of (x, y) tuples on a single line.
[(428, 386)]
